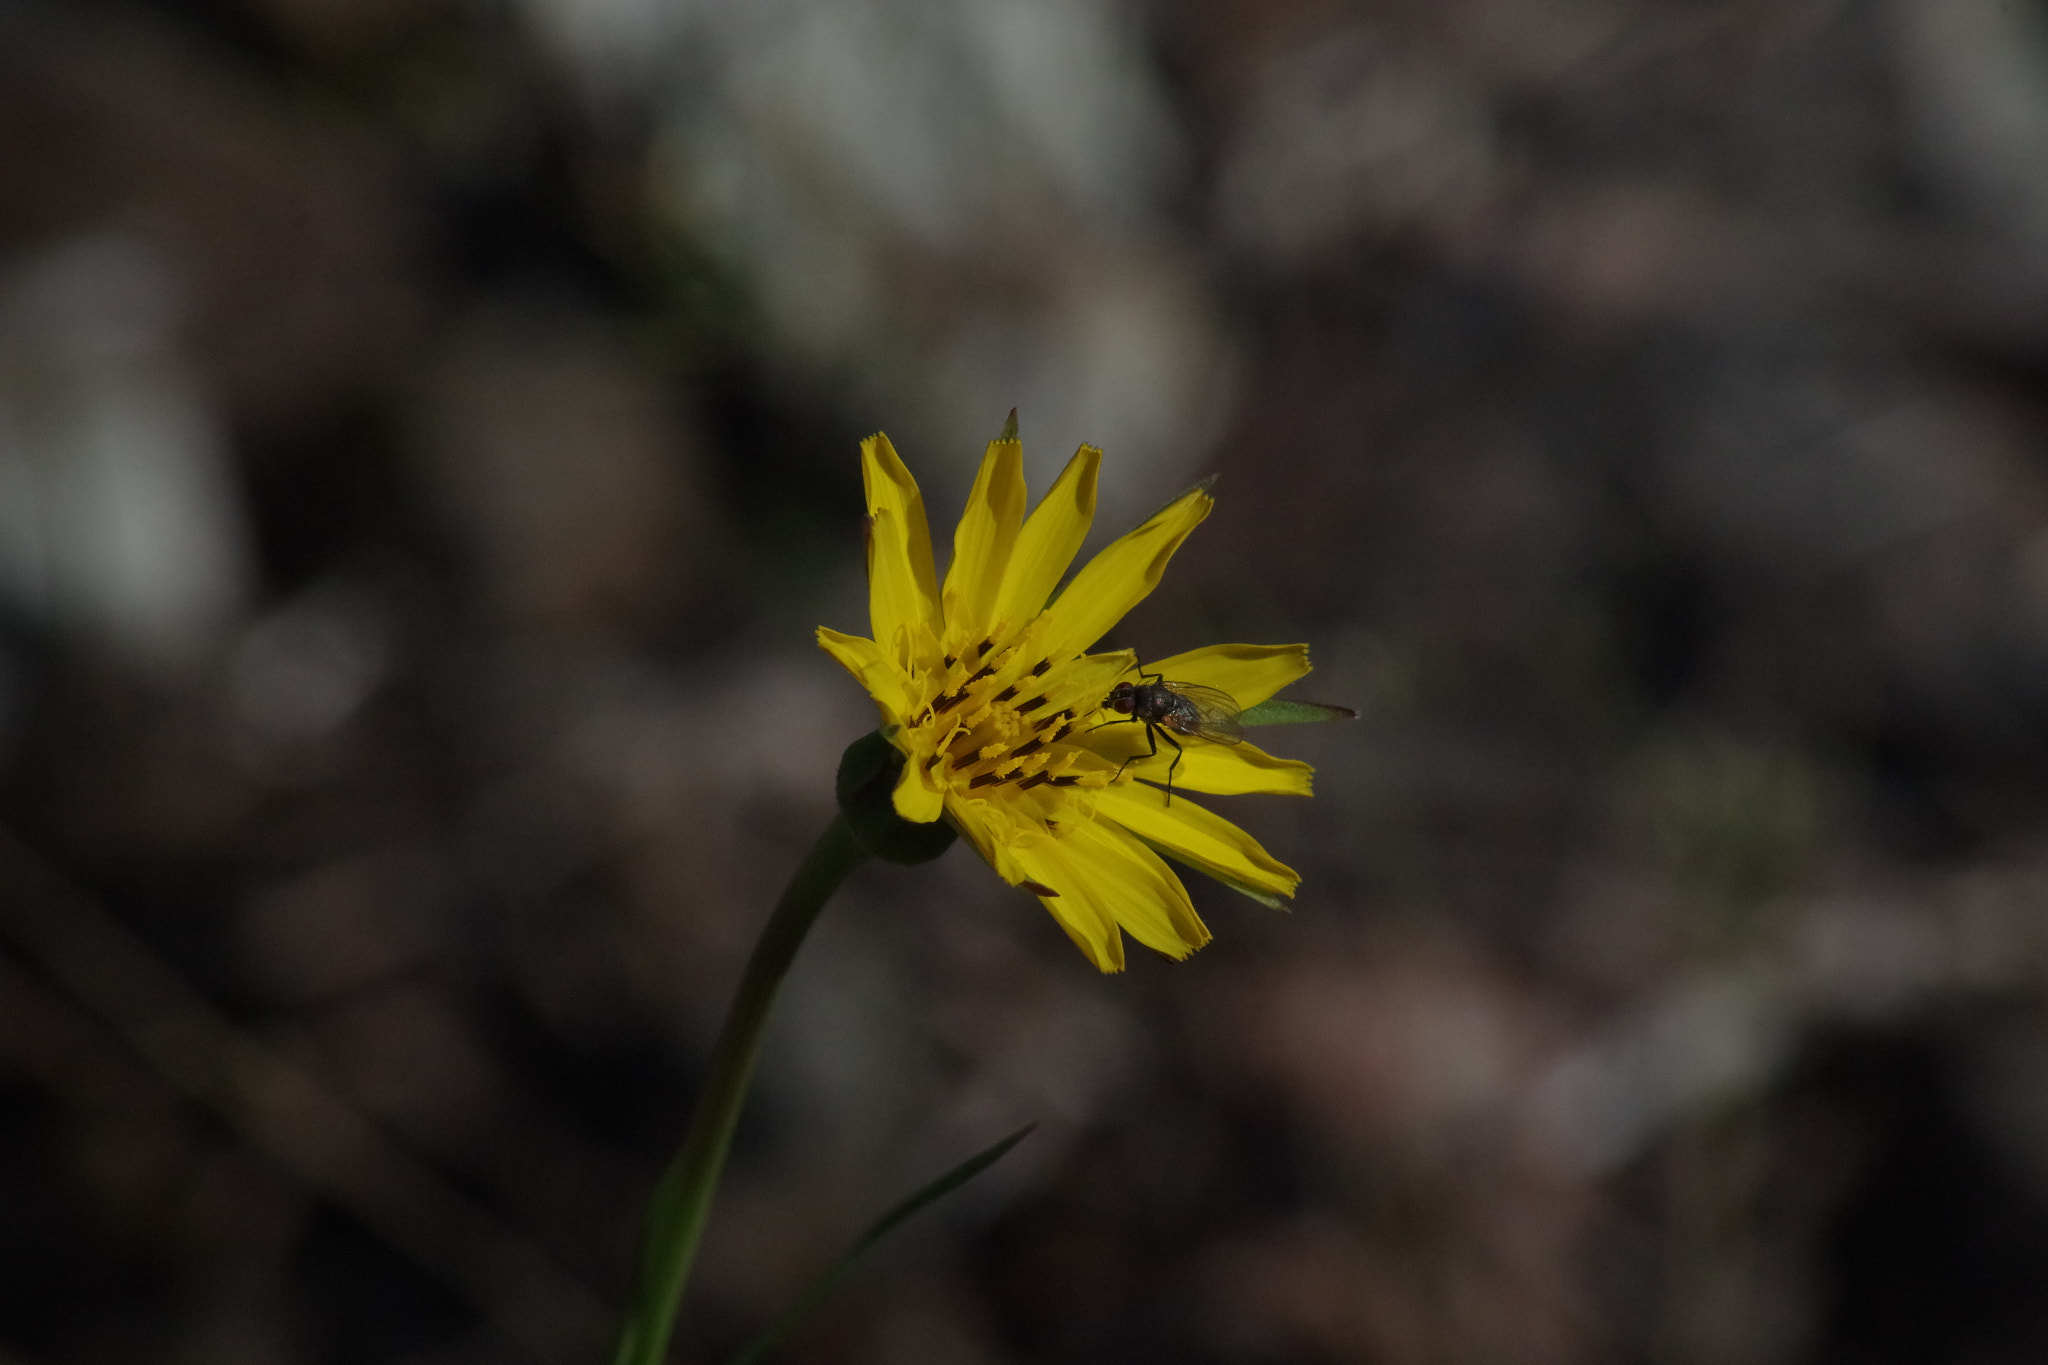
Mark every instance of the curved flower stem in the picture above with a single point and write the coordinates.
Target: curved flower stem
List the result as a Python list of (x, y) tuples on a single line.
[(682, 1201)]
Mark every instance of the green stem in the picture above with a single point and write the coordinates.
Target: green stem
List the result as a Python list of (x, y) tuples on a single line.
[(682, 1201)]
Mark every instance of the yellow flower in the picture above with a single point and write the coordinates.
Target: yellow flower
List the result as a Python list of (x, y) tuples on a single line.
[(992, 698)]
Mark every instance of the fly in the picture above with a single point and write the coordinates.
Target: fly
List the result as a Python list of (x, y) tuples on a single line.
[(1175, 711)]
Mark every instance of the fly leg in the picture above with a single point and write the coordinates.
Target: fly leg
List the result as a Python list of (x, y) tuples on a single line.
[(1179, 753), (1152, 737)]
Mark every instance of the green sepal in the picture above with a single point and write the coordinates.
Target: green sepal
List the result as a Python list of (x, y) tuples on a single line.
[(868, 772), (1279, 711)]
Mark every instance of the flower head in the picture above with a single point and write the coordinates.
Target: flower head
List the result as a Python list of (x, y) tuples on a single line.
[(986, 686)]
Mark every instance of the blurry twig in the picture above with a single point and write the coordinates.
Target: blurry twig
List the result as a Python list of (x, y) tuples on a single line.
[(287, 1112)]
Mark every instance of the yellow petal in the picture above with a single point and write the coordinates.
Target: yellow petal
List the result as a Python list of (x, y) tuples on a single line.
[(1049, 541), (871, 668), (983, 541), (918, 797), (1091, 929), (1138, 889), (1075, 903), (991, 831), (1080, 685), (1200, 838), (1249, 673), (902, 585), (1215, 769), (1107, 881), (898, 610), (1122, 576)]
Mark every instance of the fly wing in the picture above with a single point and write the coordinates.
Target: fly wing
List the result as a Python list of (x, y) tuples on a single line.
[(1210, 713)]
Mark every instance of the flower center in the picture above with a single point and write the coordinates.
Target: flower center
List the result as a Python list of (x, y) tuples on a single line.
[(996, 719)]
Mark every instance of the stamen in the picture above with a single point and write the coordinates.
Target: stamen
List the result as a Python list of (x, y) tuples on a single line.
[(1005, 694), (1033, 747), (1043, 664), (1054, 719), (950, 661), (1033, 704), (985, 780), (1028, 783), (1069, 780), (984, 648)]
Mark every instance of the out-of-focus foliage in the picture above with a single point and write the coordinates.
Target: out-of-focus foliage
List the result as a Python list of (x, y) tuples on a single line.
[(427, 437)]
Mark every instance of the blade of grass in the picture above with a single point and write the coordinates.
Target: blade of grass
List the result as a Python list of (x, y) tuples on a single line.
[(834, 1275)]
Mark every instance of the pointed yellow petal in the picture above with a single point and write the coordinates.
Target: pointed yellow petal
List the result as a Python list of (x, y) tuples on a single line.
[(982, 544), (1249, 673), (1200, 838), (1049, 541), (898, 611), (1122, 576), (1092, 931), (1080, 685), (1215, 769), (1138, 889), (871, 668), (1076, 901), (969, 819), (918, 796), (1107, 881), (902, 585)]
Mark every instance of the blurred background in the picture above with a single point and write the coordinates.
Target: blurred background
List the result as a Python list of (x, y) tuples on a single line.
[(428, 440)]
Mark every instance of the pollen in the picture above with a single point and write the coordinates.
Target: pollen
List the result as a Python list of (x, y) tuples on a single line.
[(981, 737)]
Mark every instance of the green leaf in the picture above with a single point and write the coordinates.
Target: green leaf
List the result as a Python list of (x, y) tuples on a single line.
[(835, 1274), (1278, 711)]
